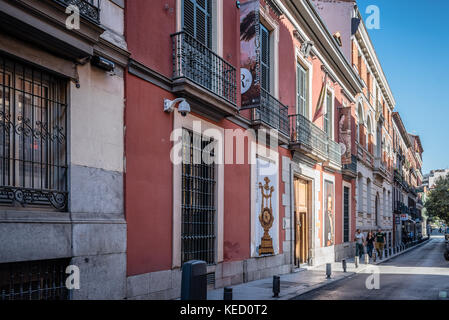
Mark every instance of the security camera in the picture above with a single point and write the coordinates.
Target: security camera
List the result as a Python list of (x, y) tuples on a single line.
[(183, 109)]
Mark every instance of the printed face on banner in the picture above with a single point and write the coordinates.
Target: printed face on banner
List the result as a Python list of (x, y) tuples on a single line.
[(249, 53), (266, 219)]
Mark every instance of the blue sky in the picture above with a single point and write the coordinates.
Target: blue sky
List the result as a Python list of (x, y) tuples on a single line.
[(412, 45)]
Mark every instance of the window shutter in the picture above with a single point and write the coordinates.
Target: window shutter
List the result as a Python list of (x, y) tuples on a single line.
[(265, 58), (197, 20)]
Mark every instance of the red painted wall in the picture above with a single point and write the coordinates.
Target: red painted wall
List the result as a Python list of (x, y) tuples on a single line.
[(148, 178), (237, 207)]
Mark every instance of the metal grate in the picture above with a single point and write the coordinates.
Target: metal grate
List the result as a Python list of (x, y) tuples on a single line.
[(196, 62), (346, 226), (211, 278), (33, 131), (198, 199), (34, 280)]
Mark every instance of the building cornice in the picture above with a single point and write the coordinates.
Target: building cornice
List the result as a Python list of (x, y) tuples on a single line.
[(308, 23)]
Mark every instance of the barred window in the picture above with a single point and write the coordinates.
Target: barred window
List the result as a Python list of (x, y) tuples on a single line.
[(198, 199), (34, 280), (33, 146)]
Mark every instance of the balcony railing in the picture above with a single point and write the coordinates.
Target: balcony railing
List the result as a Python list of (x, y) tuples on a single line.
[(312, 138), (351, 167), (334, 152), (271, 112), (196, 62), (89, 9)]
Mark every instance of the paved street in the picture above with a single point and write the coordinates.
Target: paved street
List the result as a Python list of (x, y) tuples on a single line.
[(422, 273)]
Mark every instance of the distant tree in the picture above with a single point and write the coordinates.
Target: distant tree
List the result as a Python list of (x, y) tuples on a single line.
[(437, 203)]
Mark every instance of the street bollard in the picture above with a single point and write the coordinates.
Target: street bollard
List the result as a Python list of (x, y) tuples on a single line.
[(356, 262), (227, 293), (276, 286), (344, 265), (328, 270), (366, 258), (194, 280)]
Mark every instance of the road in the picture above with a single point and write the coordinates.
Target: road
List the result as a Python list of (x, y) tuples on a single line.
[(420, 274)]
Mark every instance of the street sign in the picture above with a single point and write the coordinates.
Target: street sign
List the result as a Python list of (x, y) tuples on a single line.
[(404, 217)]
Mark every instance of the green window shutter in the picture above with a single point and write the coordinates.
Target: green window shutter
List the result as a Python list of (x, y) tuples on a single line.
[(197, 20), (328, 115), (265, 58), (302, 91)]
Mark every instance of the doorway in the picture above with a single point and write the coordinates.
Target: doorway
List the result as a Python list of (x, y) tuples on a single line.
[(302, 217)]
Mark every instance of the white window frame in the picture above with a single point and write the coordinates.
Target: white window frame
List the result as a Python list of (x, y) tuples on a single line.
[(307, 65)]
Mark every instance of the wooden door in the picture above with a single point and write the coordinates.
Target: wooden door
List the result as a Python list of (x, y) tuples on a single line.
[(301, 221)]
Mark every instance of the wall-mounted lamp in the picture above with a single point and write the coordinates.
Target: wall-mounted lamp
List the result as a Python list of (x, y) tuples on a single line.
[(183, 108), (103, 63)]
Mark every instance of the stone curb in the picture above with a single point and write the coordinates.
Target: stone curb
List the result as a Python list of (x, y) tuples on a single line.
[(347, 275)]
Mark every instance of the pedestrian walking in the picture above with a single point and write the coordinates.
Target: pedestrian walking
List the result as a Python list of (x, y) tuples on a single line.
[(359, 244), (380, 243), (370, 239)]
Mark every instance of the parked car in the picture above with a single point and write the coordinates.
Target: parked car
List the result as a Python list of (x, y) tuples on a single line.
[(446, 235)]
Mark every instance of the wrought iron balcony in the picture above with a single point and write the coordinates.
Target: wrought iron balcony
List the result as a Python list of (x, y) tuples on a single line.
[(351, 168), (194, 61), (271, 112), (334, 150), (312, 140), (89, 9)]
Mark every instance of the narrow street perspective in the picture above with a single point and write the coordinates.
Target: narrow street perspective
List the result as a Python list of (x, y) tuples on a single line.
[(421, 274)]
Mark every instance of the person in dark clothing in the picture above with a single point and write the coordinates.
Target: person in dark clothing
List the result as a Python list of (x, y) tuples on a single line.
[(370, 243), (380, 243)]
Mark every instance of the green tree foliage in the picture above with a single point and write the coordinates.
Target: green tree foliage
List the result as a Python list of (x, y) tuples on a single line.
[(437, 203)]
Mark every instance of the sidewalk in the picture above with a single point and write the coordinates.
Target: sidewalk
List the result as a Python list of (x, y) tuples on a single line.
[(298, 283)]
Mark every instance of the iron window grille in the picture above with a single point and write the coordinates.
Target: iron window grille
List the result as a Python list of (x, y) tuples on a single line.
[(346, 198), (33, 131), (89, 9), (198, 199), (34, 280)]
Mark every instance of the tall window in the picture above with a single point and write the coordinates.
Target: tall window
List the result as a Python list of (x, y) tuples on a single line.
[(368, 196), (265, 58), (360, 193), (197, 20), (33, 131), (302, 88), (328, 115), (346, 198), (198, 199)]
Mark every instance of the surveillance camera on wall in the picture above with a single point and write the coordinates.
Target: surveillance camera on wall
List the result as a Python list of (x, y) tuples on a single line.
[(183, 108)]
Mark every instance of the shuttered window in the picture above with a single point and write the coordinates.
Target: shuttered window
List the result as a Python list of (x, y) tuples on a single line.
[(328, 115), (302, 91), (197, 20), (265, 58)]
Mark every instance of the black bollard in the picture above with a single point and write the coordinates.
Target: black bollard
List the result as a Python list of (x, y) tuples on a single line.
[(276, 286), (328, 270), (194, 280), (344, 265), (227, 293)]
